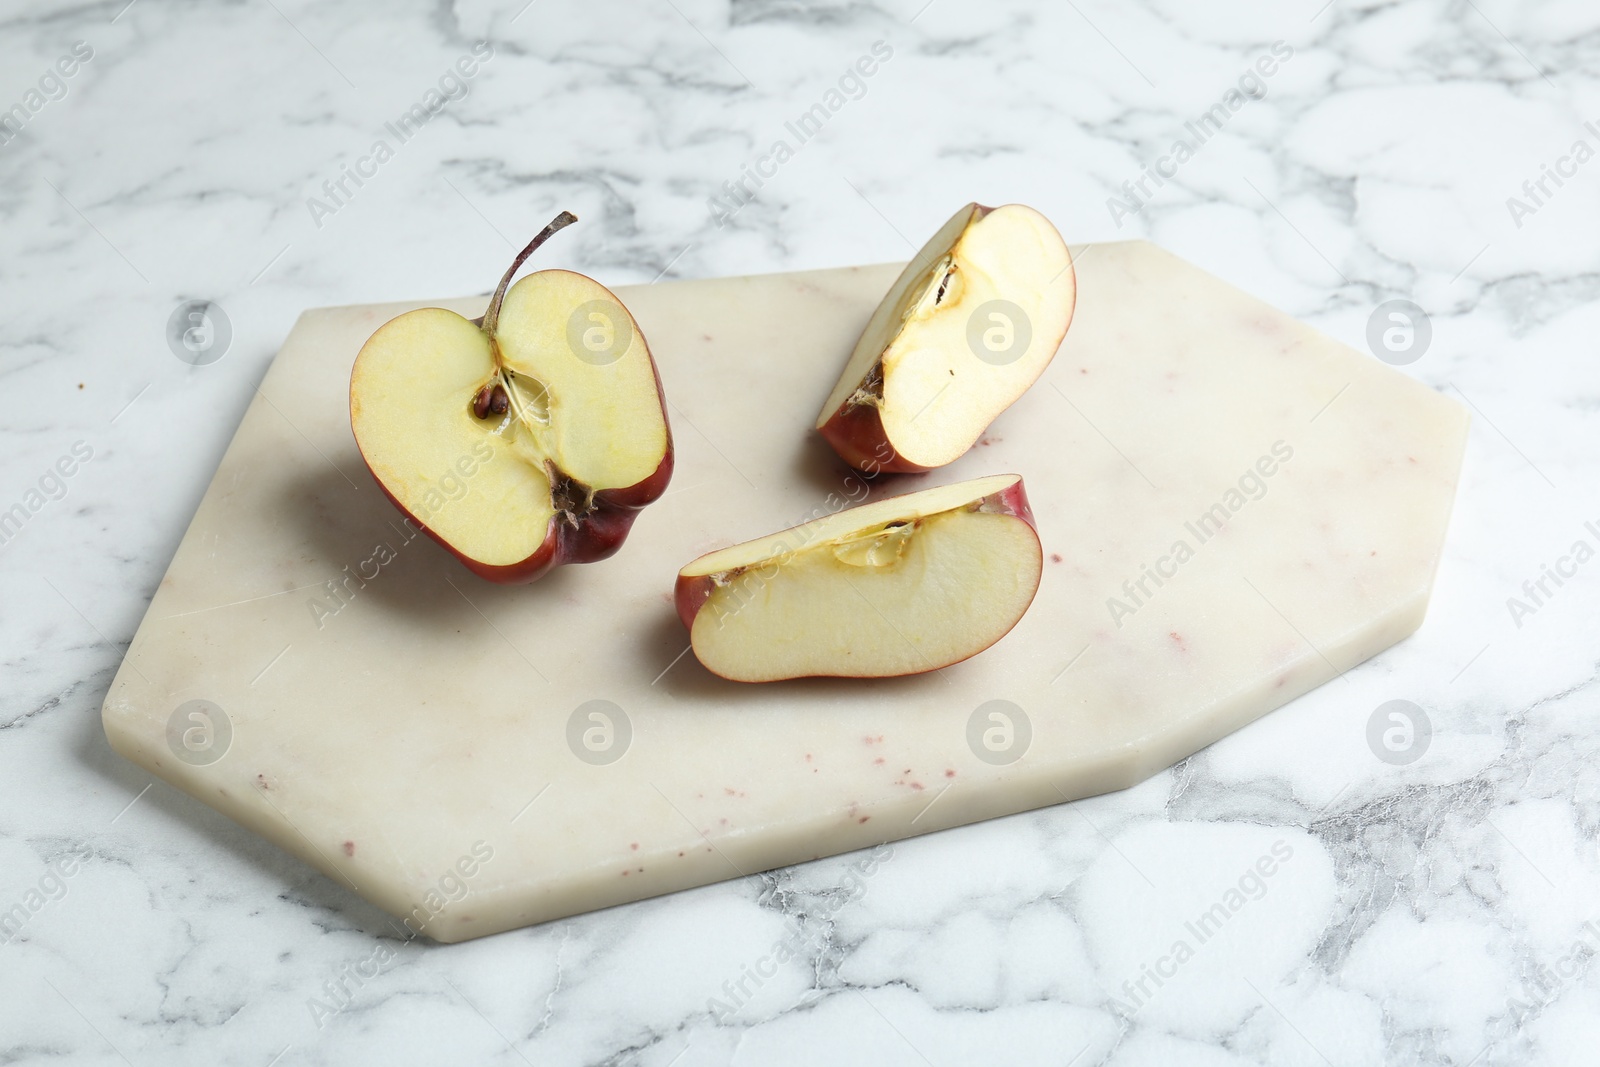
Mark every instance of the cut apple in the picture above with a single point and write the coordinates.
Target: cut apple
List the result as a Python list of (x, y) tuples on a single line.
[(524, 440), (899, 586), (968, 326)]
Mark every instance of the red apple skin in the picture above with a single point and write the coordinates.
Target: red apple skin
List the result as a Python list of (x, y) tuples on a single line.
[(857, 435), (691, 592), (690, 595), (1012, 500), (598, 535)]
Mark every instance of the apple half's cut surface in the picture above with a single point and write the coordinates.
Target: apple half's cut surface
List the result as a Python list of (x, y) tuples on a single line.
[(968, 326), (898, 586), (521, 442)]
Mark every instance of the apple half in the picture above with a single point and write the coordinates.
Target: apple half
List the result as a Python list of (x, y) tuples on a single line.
[(523, 440), (898, 586), (968, 326)]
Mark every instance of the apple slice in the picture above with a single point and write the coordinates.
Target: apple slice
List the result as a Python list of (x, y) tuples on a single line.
[(968, 326), (527, 439), (899, 586)]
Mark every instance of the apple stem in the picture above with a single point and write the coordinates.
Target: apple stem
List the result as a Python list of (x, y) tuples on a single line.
[(491, 317)]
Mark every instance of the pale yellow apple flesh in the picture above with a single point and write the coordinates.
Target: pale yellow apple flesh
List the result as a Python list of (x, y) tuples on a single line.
[(939, 359), (489, 488), (899, 586)]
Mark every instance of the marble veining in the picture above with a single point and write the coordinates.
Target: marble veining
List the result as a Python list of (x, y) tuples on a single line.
[(1435, 911)]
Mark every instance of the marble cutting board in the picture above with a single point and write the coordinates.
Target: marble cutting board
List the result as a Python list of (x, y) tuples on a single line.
[(1234, 509)]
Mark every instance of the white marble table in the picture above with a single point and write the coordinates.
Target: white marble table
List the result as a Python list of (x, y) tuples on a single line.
[(1426, 904)]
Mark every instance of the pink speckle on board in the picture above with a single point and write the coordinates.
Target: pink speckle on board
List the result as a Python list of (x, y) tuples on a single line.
[(634, 846), (950, 773), (1055, 557), (864, 818), (878, 762), (870, 740), (349, 848), (917, 785)]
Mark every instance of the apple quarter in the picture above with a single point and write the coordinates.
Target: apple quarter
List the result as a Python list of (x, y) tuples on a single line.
[(899, 586), (967, 328)]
